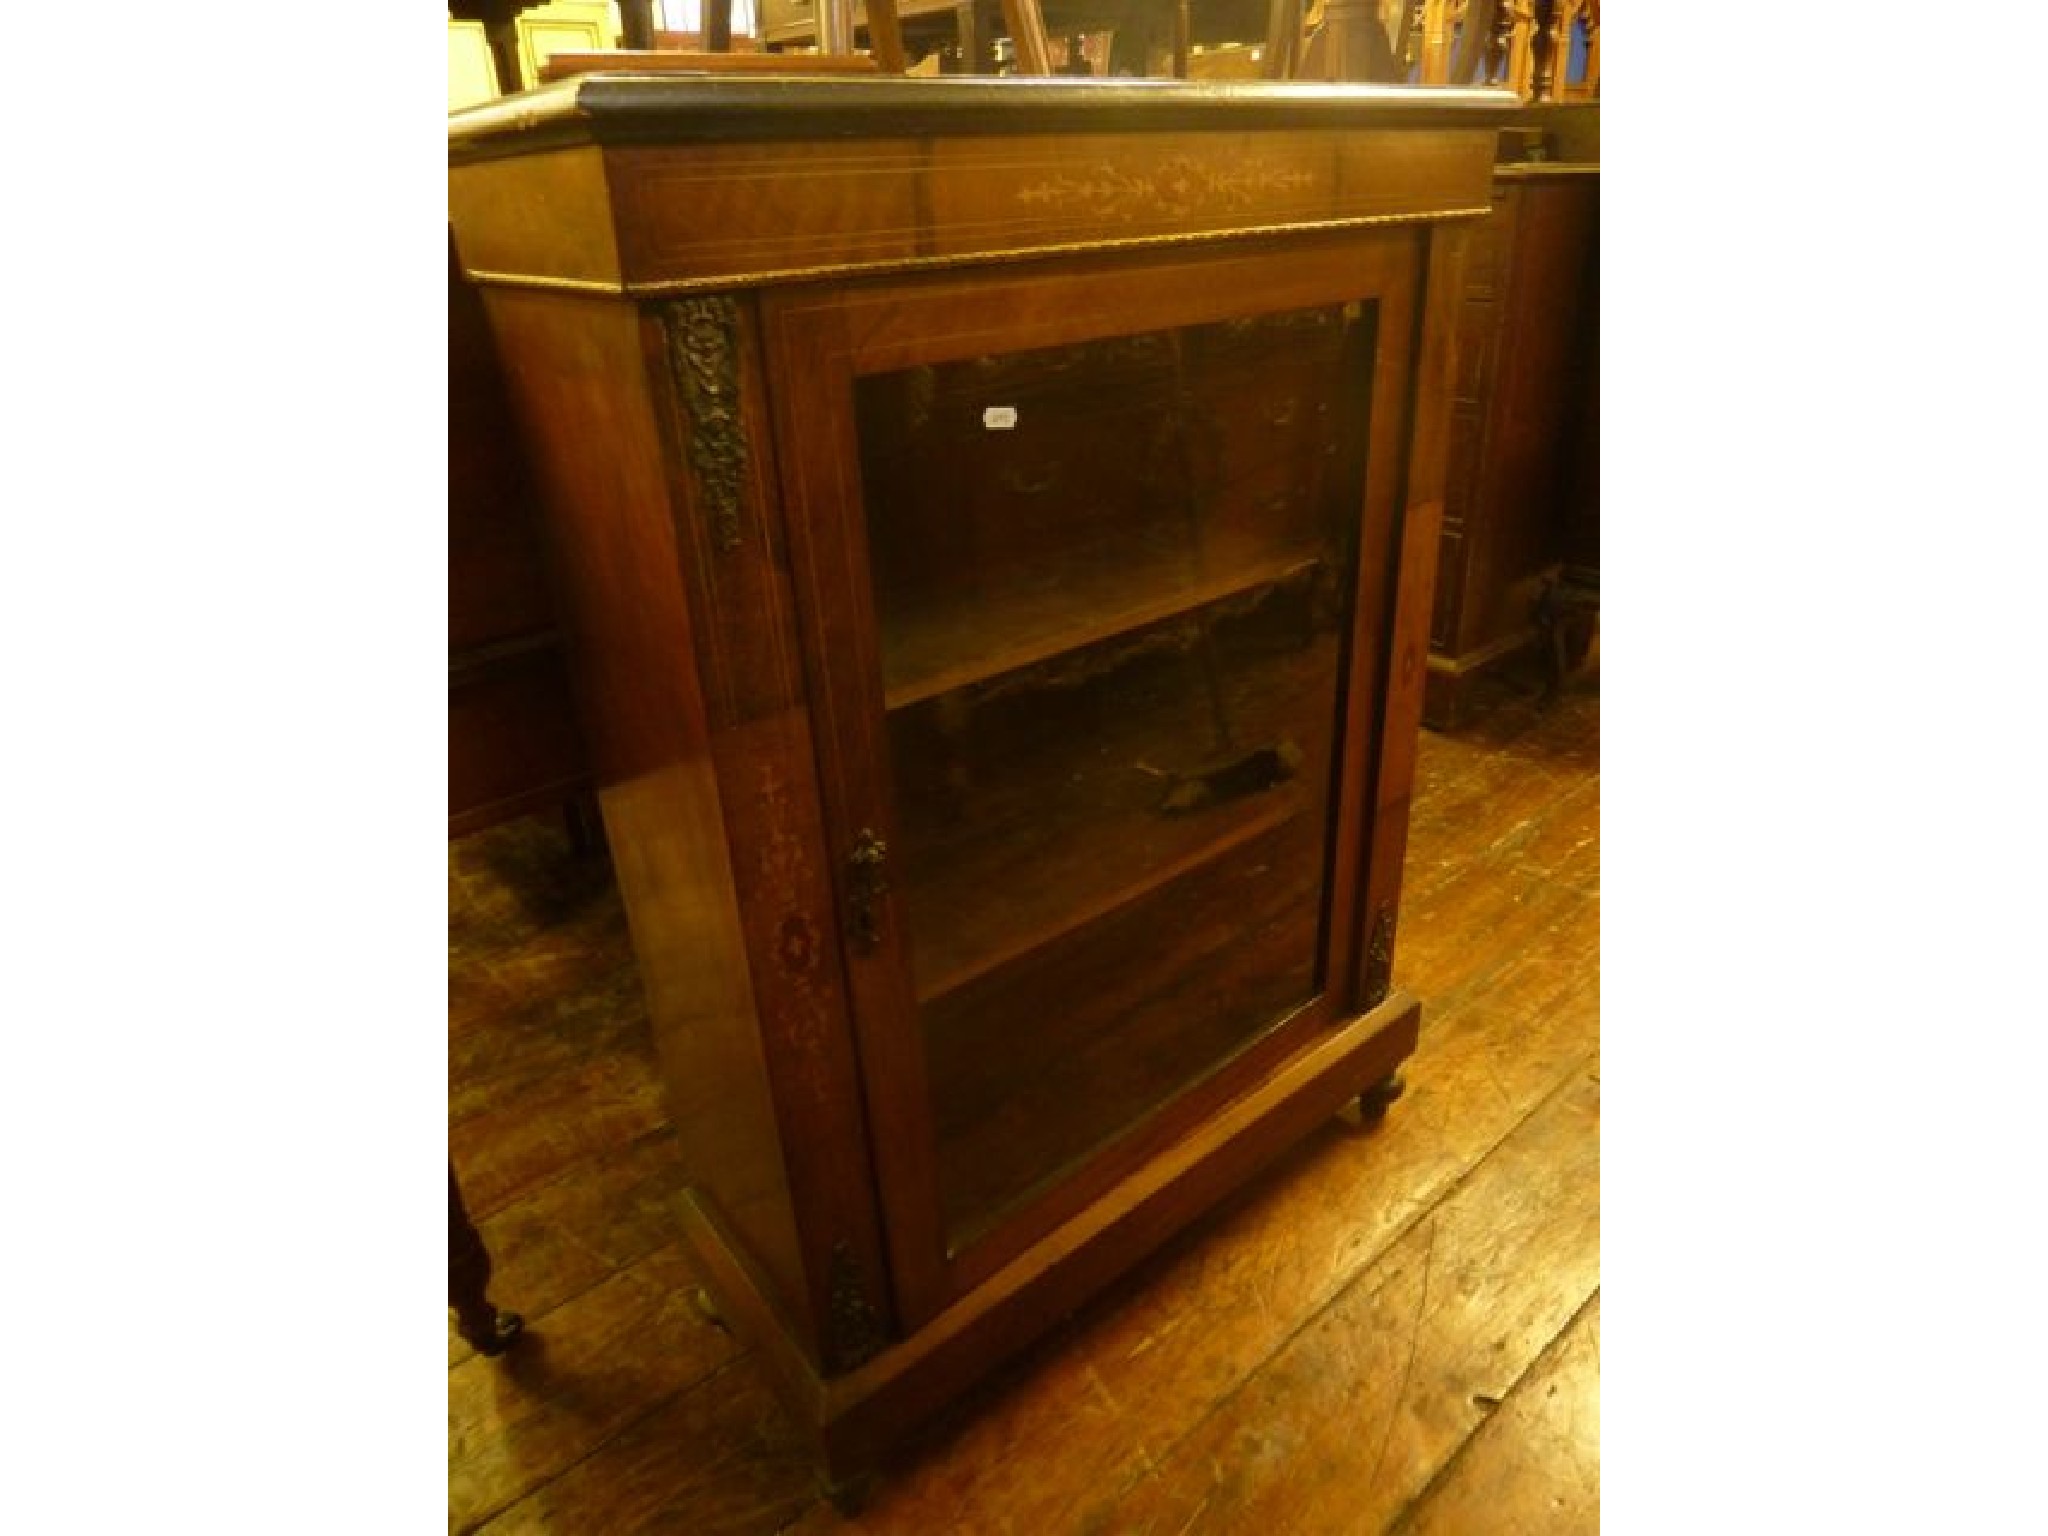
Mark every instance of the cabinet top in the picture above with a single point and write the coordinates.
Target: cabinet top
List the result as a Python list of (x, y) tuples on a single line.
[(629, 108)]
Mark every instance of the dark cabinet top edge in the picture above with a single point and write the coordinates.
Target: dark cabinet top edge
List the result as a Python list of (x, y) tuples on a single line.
[(670, 108)]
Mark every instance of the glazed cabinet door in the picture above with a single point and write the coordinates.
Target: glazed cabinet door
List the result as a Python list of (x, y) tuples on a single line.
[(1094, 569)]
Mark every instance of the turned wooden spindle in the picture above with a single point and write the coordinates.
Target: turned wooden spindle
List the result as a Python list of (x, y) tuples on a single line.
[(1434, 22), (1351, 44), (1497, 41), (636, 23), (717, 19), (835, 26), (1026, 26), (1283, 39), (1521, 56), (1546, 50)]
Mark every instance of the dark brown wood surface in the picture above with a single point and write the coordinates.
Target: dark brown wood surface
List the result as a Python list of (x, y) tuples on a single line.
[(513, 741), (867, 1171), (1394, 1328), (823, 340)]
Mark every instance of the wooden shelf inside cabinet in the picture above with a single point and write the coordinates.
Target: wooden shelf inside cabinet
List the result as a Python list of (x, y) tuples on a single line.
[(988, 519), (1034, 617), (1071, 811)]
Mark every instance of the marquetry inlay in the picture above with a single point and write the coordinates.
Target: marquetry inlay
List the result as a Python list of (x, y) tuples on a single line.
[(1176, 188)]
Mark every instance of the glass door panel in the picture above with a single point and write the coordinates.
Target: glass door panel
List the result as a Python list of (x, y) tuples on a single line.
[(1113, 583)]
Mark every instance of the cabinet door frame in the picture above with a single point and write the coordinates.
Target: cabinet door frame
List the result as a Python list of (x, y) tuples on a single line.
[(819, 339)]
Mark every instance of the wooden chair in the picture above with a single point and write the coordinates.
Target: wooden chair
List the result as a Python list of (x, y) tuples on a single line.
[(558, 27)]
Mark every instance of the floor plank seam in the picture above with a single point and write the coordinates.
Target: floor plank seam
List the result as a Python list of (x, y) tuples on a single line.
[(590, 1158), (1445, 1000), (595, 1160), (1166, 1453), (1407, 1365), (1542, 1358), (619, 1432), (535, 1320), (1504, 855)]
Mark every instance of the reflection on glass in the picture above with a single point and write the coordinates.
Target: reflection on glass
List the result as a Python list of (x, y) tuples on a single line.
[(1113, 583)]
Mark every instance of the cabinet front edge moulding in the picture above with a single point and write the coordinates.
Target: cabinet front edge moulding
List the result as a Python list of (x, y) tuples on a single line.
[(651, 219)]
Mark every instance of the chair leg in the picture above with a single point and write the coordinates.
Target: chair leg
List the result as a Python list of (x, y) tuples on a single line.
[(487, 1330), (1026, 24)]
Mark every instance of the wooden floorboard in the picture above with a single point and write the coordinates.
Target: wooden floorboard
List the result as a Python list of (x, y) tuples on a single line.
[(1355, 1341), (1342, 1427), (1534, 1466)]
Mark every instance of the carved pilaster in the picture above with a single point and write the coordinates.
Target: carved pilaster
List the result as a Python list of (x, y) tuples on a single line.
[(703, 353)]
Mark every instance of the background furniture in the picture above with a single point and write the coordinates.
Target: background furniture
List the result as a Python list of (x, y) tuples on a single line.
[(472, 73), (1100, 37), (1523, 490), (995, 524), (513, 741)]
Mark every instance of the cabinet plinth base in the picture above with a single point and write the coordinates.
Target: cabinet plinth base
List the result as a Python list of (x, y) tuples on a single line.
[(856, 1417)]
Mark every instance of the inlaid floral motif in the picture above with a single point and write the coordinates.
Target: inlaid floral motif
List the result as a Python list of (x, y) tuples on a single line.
[(1176, 188)]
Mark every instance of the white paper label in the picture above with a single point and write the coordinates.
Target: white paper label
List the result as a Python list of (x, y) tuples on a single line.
[(999, 418)]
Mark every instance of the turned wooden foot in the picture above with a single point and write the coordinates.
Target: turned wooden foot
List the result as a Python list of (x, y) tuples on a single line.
[(584, 823), (850, 1494), (1372, 1104), (487, 1330)]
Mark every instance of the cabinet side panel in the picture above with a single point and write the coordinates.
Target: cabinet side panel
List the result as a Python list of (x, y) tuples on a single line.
[(512, 742), (543, 216), (574, 370), (758, 712)]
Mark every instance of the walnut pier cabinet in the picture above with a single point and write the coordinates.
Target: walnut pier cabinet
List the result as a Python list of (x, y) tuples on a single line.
[(994, 523)]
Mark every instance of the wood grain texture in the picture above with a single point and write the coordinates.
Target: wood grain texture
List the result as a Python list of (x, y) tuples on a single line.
[(577, 372), (722, 214), (744, 643), (828, 338), (1534, 1468), (1505, 810), (679, 444), (513, 745), (724, 1460), (1050, 1444), (500, 225), (1379, 1391), (574, 1383), (572, 1233)]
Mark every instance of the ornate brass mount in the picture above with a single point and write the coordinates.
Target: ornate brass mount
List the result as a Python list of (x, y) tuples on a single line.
[(856, 1330), (703, 349), (866, 886)]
